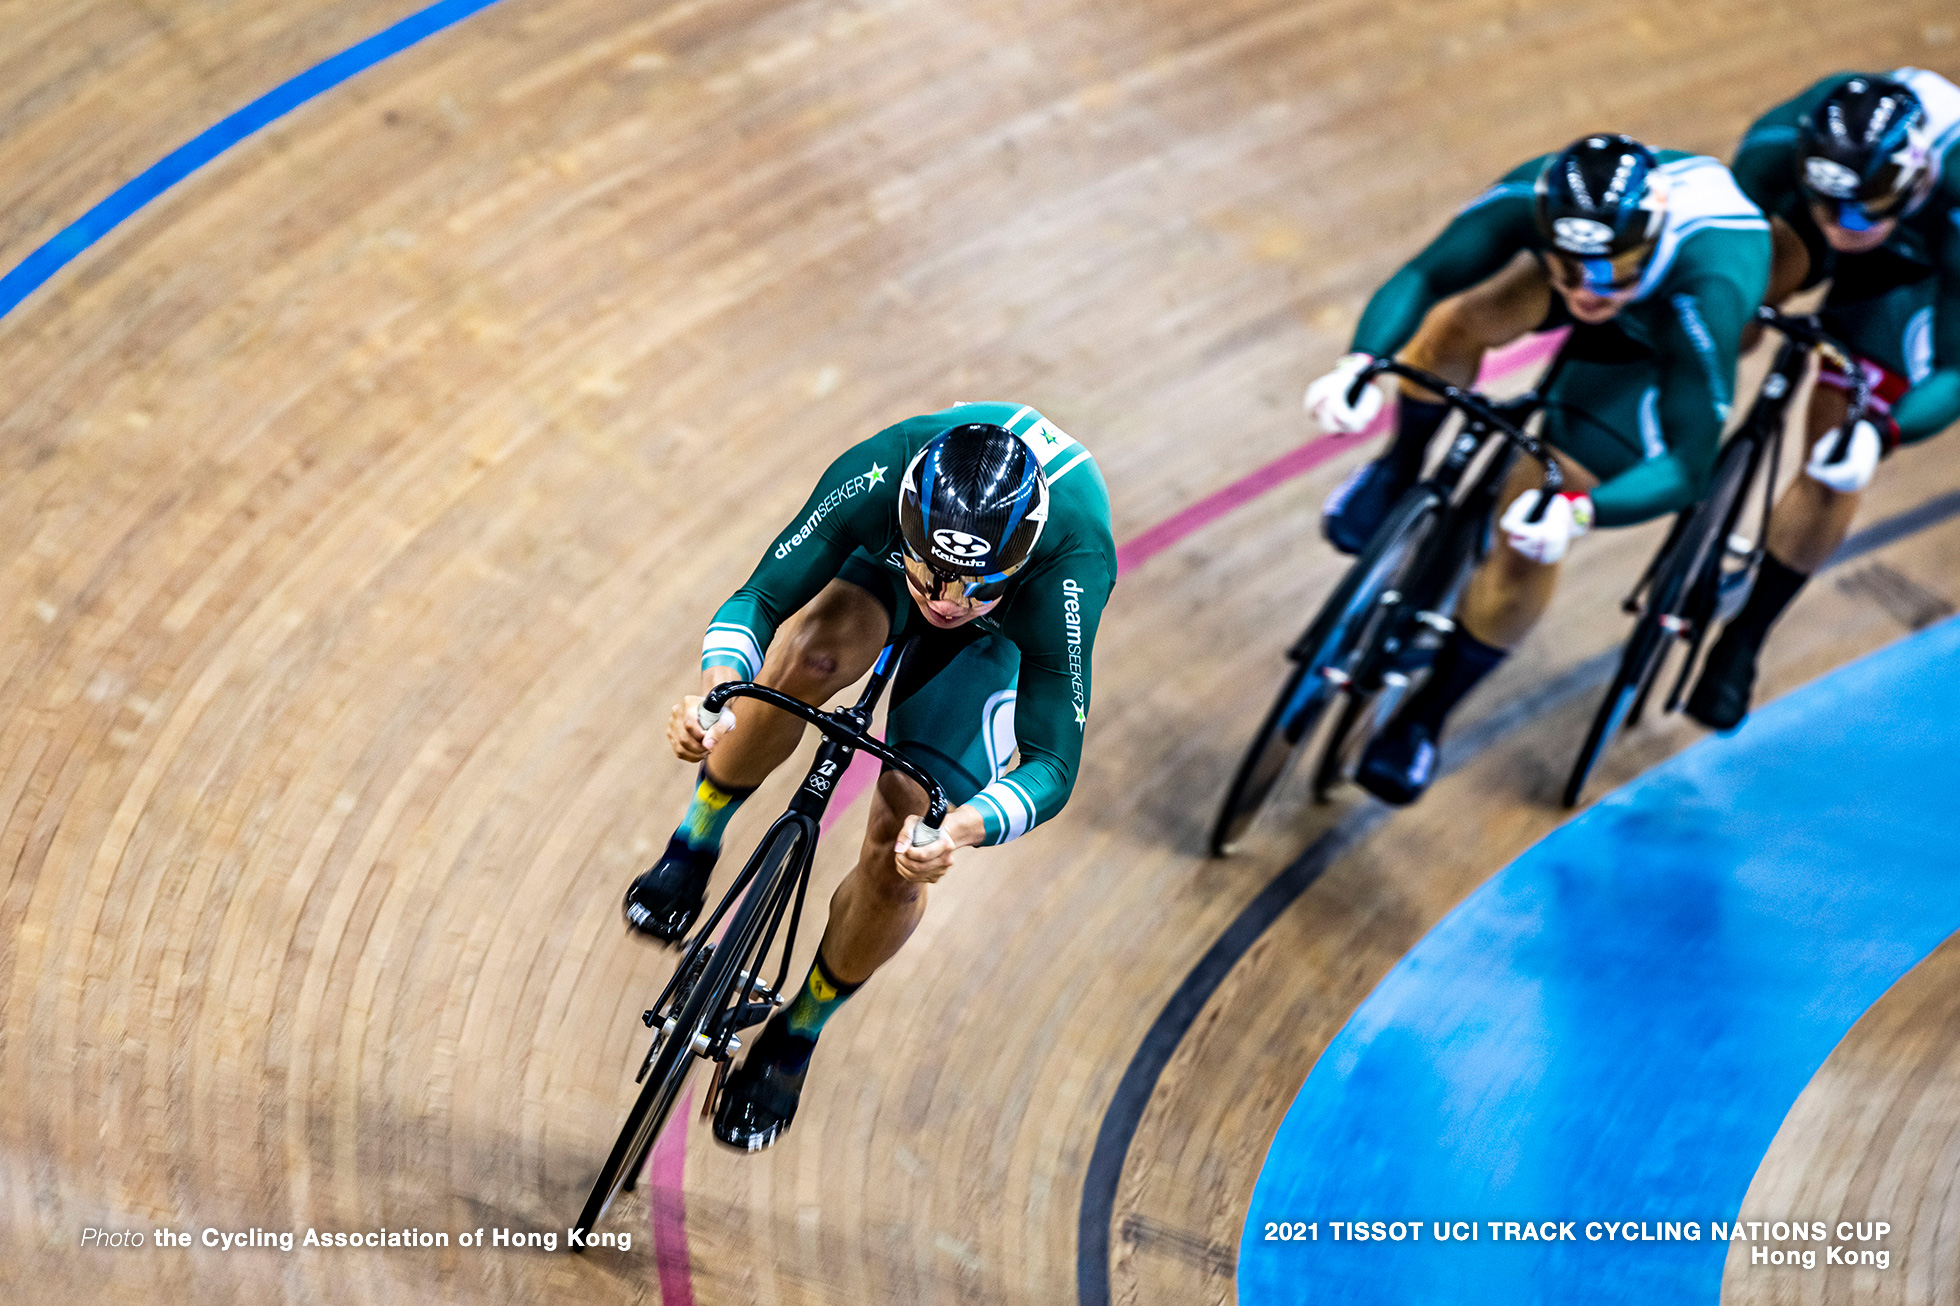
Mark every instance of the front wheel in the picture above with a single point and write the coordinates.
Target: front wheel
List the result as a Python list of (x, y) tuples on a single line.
[(1327, 657), (697, 1008), (1679, 600), (1639, 662)]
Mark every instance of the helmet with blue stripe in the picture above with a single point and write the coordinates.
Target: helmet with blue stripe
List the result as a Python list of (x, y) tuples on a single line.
[(971, 507), (1863, 151), (1598, 206)]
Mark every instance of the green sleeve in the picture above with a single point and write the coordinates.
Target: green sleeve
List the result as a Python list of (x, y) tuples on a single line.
[(1478, 242), (1934, 403), (856, 503), (1765, 167), (1056, 615), (1698, 338)]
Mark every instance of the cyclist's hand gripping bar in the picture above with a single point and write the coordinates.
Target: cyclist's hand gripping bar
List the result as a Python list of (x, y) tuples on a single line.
[(835, 726), (1479, 409), (1808, 330)]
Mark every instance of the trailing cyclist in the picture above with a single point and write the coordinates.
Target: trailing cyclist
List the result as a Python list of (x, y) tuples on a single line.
[(1860, 176), (982, 528), (1656, 261)]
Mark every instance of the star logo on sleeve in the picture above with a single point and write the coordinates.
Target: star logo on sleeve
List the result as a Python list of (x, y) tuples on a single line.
[(877, 474), (1081, 717)]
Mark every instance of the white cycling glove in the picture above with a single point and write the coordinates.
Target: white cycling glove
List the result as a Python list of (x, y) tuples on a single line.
[(1853, 472), (1327, 398), (1566, 518)]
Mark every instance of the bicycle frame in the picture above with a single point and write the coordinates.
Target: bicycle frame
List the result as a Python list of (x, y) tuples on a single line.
[(843, 737), (746, 1002)]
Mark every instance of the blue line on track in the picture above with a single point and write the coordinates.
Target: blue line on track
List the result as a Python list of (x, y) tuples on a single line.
[(1614, 1027), (33, 271)]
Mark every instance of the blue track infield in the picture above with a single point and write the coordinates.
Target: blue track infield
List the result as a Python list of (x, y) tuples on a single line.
[(1614, 1027)]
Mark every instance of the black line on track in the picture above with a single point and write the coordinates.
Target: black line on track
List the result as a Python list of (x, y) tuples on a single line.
[(1160, 1044)]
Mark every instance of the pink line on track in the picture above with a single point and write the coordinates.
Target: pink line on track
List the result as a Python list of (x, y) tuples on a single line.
[(666, 1172), (1132, 554), (666, 1168)]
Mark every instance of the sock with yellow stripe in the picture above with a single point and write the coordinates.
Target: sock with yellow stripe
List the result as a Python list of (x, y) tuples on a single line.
[(822, 993), (708, 813)]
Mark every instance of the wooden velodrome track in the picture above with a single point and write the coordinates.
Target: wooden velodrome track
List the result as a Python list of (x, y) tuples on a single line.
[(362, 500)]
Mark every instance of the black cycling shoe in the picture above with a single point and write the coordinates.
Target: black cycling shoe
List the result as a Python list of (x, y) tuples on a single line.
[(760, 1097), (1721, 697), (1399, 763), (1357, 508), (664, 901)]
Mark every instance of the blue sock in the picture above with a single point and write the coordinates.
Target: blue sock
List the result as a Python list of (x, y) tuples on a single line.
[(1460, 664), (707, 815)]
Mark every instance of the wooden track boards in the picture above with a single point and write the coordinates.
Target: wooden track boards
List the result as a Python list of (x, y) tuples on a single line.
[(364, 498)]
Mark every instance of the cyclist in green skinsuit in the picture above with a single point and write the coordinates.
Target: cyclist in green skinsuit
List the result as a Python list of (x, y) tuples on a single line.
[(1861, 178), (1658, 262), (984, 530)]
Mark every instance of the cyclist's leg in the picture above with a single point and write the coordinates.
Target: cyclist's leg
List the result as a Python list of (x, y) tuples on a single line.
[(1451, 342), (954, 716), (1890, 332), (825, 647)]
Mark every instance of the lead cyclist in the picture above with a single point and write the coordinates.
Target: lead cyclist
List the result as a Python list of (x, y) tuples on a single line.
[(984, 530), (1860, 175), (1656, 261)]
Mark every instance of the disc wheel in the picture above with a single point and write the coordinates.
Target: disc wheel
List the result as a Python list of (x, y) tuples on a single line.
[(1335, 646)]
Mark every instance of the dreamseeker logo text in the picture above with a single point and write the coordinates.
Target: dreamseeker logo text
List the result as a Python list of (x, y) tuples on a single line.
[(1072, 623), (850, 489)]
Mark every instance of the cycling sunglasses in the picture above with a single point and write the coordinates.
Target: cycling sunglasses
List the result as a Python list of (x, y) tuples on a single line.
[(1602, 276), (946, 585), (1855, 215)]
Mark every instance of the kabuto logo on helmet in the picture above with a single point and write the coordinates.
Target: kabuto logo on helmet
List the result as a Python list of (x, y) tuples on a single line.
[(959, 546), (1582, 236), (1828, 177)]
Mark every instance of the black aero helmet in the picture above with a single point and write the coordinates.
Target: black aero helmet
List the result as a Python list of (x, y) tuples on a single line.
[(972, 506), (1862, 152), (1595, 204)]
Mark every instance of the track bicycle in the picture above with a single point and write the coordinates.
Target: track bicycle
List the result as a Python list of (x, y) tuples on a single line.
[(717, 991), (1372, 642), (1702, 571)]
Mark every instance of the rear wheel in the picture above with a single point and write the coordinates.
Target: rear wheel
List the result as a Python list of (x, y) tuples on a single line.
[(729, 966), (1335, 648)]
